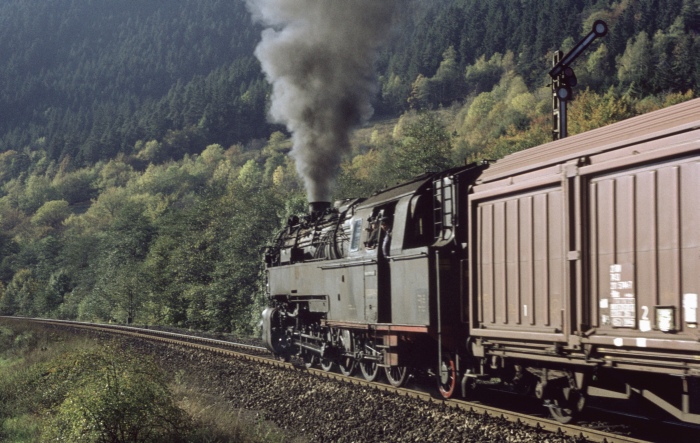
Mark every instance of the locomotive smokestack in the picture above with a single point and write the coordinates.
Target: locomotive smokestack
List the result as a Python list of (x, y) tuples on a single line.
[(316, 209), (319, 55)]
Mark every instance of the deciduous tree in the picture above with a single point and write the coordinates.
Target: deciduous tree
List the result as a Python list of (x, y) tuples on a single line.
[(425, 147)]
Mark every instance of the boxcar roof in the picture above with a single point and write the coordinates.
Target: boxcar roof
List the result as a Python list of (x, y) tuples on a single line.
[(674, 119)]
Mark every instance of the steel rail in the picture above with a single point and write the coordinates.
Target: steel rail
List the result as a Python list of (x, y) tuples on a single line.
[(143, 331), (215, 346)]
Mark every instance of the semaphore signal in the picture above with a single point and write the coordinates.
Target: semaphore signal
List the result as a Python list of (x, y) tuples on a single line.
[(564, 78)]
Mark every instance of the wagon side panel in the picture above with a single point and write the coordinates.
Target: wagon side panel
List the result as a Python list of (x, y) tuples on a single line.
[(645, 251), (519, 264)]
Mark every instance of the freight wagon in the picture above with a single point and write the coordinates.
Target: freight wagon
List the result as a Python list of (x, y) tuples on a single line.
[(585, 264)]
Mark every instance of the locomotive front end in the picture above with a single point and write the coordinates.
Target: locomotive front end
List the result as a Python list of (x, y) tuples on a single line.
[(295, 288)]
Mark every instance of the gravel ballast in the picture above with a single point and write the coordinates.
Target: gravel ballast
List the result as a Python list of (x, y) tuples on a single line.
[(315, 409)]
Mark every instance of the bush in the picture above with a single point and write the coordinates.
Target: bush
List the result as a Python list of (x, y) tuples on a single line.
[(116, 398), (60, 388)]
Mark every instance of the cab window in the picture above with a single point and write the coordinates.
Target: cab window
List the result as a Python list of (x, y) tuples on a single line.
[(356, 233)]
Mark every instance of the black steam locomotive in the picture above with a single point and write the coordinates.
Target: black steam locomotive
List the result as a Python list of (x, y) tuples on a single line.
[(375, 283), (569, 270)]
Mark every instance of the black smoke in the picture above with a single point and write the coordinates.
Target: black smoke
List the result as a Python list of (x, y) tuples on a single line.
[(319, 56)]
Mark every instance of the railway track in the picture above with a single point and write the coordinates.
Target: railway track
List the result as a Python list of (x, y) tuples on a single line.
[(261, 355)]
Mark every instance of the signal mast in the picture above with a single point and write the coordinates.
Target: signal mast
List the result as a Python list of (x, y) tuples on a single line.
[(564, 78)]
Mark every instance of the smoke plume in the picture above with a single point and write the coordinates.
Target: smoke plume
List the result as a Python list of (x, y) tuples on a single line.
[(319, 55)]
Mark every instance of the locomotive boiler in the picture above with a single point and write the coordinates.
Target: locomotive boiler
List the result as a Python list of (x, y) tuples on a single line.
[(569, 271)]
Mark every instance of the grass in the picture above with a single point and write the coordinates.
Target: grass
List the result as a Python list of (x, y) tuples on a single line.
[(216, 420), (22, 429), (5, 362)]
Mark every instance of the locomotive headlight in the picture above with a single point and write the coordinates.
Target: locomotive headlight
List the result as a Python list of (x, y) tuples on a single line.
[(665, 318)]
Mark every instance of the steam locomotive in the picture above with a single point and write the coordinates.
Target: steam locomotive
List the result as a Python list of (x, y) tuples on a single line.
[(570, 270)]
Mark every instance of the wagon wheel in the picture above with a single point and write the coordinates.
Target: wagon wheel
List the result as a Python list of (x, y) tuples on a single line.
[(396, 375), (566, 405), (447, 376), (347, 365), (369, 368)]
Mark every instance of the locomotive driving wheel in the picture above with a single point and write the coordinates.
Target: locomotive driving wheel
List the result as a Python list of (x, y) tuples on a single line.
[(347, 365), (327, 363), (447, 376), (347, 362), (370, 367), (396, 375), (310, 359)]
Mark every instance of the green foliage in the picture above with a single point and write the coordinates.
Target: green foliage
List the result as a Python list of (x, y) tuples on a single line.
[(488, 126), (76, 187), (120, 201), (446, 86), (21, 429), (426, 147), (635, 65), (109, 74), (8, 249), (18, 297), (114, 174), (31, 382), (590, 111), (366, 173), (12, 163), (85, 394), (52, 213), (477, 31), (57, 387), (37, 191), (484, 74), (51, 296), (154, 82), (116, 398)]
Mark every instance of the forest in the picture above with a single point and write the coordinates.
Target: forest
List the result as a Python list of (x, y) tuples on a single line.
[(140, 177)]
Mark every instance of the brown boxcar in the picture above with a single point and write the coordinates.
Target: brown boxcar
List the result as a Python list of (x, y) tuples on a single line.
[(585, 264)]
